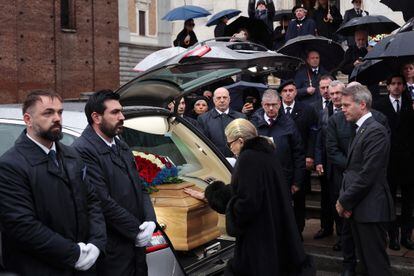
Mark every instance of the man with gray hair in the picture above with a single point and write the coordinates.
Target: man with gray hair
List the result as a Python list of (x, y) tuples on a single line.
[(323, 167), (365, 197), (286, 136)]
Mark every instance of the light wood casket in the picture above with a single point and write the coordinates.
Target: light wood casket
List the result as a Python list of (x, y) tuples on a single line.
[(189, 222)]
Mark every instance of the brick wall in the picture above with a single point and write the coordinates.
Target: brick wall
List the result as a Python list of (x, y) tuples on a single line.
[(36, 53)]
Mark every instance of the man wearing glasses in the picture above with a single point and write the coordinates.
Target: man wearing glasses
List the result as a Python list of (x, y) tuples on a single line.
[(282, 130)]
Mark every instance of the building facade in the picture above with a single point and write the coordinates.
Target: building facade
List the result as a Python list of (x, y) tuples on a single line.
[(141, 32), (69, 46)]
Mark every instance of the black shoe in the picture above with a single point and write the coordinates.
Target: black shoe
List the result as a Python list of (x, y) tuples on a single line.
[(394, 244), (348, 272), (322, 233), (407, 243), (337, 246)]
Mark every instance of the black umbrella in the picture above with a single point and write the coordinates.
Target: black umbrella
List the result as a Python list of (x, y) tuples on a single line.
[(279, 15), (373, 71), (405, 6), (373, 24), (408, 26), (257, 29), (331, 52), (378, 48), (398, 47)]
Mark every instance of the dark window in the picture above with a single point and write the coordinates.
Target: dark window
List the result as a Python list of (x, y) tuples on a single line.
[(67, 14), (141, 18)]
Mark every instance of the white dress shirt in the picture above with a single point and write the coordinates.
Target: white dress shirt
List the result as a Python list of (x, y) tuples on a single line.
[(45, 149), (394, 102), (291, 107), (362, 120), (225, 112)]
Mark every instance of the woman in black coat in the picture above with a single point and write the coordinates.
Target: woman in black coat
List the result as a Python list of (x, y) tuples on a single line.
[(187, 37), (258, 209)]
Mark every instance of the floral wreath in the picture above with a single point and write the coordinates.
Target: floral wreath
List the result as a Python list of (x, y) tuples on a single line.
[(155, 170)]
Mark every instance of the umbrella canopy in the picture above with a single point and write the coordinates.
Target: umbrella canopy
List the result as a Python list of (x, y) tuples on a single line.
[(185, 12), (257, 29), (158, 57), (408, 26), (331, 53), (372, 71), (405, 6), (283, 14), (373, 24), (215, 19), (396, 47)]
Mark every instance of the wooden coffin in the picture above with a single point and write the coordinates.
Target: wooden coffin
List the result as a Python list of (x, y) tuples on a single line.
[(189, 222)]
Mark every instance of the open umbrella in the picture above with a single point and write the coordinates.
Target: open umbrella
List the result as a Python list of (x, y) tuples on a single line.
[(215, 19), (377, 24), (158, 57), (257, 29), (185, 12), (397, 47), (405, 6), (283, 14), (408, 26), (372, 71), (331, 52)]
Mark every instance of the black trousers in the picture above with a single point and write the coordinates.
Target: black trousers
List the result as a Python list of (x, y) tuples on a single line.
[(327, 216), (299, 203), (348, 247), (399, 175), (371, 242)]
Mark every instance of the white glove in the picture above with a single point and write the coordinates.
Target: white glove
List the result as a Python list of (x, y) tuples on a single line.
[(144, 236), (83, 252), (92, 253)]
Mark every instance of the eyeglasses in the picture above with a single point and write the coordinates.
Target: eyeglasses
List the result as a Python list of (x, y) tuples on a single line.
[(231, 142)]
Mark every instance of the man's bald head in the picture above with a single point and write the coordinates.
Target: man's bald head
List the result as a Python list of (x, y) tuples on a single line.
[(221, 99)]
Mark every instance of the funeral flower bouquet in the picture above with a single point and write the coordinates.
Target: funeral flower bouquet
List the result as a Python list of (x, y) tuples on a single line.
[(155, 170)]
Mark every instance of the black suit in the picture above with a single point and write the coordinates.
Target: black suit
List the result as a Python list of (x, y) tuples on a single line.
[(327, 214), (365, 193), (401, 159), (212, 124), (45, 210), (306, 120), (306, 77), (125, 203), (327, 29), (339, 133)]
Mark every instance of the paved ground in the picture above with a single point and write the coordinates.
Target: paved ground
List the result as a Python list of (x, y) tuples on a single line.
[(328, 262)]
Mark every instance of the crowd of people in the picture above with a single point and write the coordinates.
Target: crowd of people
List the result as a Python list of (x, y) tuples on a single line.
[(309, 18)]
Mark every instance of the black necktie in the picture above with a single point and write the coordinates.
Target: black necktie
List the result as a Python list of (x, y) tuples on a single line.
[(271, 121), (315, 71), (398, 105), (53, 157), (288, 110), (114, 149), (337, 109), (326, 103)]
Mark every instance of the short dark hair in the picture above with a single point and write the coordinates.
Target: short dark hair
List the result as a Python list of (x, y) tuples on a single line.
[(96, 103), (34, 96), (389, 79), (327, 77)]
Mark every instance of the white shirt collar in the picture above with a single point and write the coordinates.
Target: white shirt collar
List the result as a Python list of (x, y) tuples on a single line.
[(392, 99), (363, 119), (220, 112), (106, 142), (45, 149), (267, 118), (291, 106)]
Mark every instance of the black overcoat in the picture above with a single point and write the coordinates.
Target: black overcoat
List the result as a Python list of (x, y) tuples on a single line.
[(299, 28), (305, 78), (268, 242), (125, 204), (212, 124), (45, 211), (289, 146), (306, 120)]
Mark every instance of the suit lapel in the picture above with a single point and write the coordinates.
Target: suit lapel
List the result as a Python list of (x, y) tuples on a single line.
[(357, 137)]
